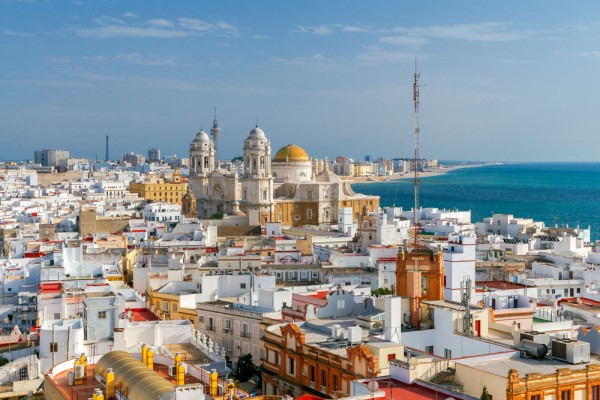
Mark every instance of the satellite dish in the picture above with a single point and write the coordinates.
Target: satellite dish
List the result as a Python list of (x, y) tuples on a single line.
[(373, 386)]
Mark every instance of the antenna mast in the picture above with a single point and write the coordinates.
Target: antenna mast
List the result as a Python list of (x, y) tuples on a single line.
[(215, 131), (416, 156)]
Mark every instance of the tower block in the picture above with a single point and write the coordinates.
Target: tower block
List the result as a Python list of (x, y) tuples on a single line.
[(419, 276)]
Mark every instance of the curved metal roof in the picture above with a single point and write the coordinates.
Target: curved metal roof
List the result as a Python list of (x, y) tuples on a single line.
[(132, 375)]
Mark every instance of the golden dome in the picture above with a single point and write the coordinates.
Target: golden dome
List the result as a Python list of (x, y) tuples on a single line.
[(291, 153)]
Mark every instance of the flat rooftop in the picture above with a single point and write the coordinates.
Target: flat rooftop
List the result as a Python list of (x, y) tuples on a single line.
[(527, 365)]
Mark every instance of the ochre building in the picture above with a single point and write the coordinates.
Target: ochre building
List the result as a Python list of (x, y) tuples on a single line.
[(160, 190)]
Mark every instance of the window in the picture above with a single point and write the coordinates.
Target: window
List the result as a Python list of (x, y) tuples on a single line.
[(56, 315), (165, 306), (391, 357), (596, 392), (311, 371), (565, 395), (242, 286), (201, 319), (578, 290), (53, 347), (335, 382), (447, 353), (534, 397), (424, 284), (429, 349), (101, 314), (309, 214), (291, 366)]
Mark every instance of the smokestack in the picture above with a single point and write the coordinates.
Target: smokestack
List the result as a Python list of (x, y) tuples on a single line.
[(107, 148)]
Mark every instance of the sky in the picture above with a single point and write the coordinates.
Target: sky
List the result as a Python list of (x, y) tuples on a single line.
[(500, 81)]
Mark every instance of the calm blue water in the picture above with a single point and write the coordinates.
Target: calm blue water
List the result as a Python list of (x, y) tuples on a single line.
[(556, 193)]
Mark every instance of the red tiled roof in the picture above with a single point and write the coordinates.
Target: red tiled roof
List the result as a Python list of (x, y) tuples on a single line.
[(142, 314)]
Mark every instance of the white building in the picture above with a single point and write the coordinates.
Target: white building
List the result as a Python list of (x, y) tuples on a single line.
[(162, 212), (60, 341), (459, 266)]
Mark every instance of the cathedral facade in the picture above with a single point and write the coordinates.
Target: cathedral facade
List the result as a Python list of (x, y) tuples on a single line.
[(283, 189)]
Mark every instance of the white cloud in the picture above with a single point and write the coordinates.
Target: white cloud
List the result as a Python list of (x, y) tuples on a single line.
[(156, 28), (131, 31), (130, 15), (60, 60), (330, 29), (481, 32), (8, 32), (260, 37), (160, 22), (316, 59), (408, 41), (591, 53), (375, 55), (354, 29), (149, 60)]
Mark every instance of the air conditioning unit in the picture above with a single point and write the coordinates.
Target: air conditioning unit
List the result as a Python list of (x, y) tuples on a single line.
[(571, 351), (79, 371), (534, 336), (172, 370)]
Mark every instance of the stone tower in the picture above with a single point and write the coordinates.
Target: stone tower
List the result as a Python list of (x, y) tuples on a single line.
[(257, 181)]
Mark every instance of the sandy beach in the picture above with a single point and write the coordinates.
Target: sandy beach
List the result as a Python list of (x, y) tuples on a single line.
[(436, 172)]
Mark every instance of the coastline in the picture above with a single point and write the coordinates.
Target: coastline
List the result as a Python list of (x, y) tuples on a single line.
[(436, 172)]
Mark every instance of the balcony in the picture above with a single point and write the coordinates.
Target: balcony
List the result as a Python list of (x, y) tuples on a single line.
[(245, 335), (228, 330), (211, 328)]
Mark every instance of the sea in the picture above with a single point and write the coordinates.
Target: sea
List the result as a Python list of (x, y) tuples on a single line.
[(559, 194)]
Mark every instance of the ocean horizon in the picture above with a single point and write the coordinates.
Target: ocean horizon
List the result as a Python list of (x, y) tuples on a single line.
[(557, 193)]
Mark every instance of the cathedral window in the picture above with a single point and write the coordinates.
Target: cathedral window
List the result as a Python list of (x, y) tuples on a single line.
[(254, 163), (265, 194), (205, 162), (309, 214), (262, 161)]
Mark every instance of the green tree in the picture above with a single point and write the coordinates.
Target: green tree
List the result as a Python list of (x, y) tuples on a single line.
[(245, 368), (382, 291), (217, 215), (485, 395)]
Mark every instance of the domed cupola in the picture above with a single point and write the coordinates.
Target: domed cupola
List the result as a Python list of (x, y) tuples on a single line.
[(202, 154), (257, 154)]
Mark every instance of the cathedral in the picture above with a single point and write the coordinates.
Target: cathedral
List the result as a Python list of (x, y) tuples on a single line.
[(285, 188)]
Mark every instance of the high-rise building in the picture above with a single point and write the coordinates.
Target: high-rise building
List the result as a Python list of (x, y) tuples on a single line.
[(133, 159), (154, 155), (50, 157)]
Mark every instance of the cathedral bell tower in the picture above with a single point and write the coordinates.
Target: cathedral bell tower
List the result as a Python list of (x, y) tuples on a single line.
[(257, 182)]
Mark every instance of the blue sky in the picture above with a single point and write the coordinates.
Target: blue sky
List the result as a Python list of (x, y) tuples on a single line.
[(510, 80)]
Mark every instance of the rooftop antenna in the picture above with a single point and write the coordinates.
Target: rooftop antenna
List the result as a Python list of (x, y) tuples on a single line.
[(215, 131), (465, 288), (416, 156)]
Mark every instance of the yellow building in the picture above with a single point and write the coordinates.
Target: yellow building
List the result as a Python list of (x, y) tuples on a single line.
[(168, 306), (161, 190)]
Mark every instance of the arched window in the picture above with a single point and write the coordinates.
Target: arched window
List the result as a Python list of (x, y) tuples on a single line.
[(262, 161), (254, 163), (205, 162)]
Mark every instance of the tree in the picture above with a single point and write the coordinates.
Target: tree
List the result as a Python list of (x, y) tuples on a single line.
[(245, 368), (485, 395), (381, 291), (238, 158)]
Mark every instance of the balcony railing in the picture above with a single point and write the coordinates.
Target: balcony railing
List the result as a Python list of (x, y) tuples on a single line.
[(227, 330), (210, 328), (245, 335)]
